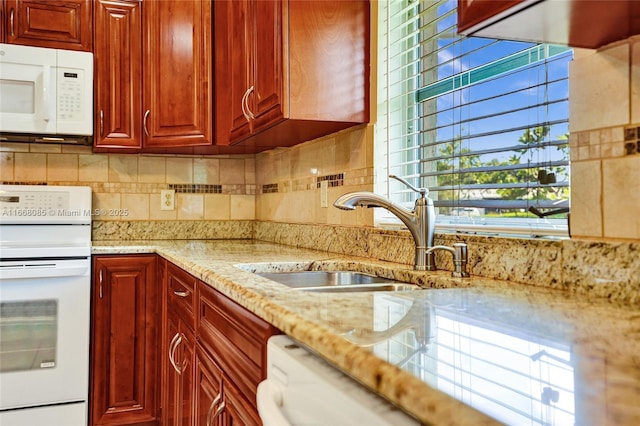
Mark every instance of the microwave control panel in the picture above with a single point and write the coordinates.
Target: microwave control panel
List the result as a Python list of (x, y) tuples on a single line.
[(70, 88)]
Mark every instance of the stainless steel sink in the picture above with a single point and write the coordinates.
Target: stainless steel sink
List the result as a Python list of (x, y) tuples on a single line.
[(336, 281)]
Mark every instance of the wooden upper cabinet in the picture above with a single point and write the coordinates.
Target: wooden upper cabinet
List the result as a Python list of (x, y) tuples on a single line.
[(266, 101), (177, 83), (234, 75), (59, 24), (252, 35), (289, 71), (577, 23), (118, 83), (473, 12), (153, 76)]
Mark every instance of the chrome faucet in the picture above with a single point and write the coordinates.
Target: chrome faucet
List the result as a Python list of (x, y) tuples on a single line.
[(420, 221)]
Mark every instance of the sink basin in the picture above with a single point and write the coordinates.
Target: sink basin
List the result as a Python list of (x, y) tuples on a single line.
[(336, 281)]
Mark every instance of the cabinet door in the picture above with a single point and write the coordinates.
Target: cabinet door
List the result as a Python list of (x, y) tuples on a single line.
[(209, 400), (266, 100), (233, 73), (178, 374), (218, 401), (60, 24), (238, 411), (124, 349), (249, 67), (178, 73), (118, 74)]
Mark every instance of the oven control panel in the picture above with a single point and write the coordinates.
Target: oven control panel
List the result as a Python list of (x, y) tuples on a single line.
[(29, 203), (44, 204)]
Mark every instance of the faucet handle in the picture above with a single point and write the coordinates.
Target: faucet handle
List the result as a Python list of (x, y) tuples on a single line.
[(422, 191)]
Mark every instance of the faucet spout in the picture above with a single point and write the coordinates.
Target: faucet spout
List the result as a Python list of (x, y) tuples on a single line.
[(420, 221), (351, 200)]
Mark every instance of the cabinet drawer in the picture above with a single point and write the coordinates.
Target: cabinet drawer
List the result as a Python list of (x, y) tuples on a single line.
[(180, 293), (235, 337)]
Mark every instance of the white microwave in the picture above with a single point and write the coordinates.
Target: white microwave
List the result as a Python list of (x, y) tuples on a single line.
[(46, 95)]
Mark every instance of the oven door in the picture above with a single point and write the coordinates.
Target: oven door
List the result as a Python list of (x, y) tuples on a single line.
[(44, 332)]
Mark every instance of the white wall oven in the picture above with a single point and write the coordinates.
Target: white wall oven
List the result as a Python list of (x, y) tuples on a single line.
[(45, 265)]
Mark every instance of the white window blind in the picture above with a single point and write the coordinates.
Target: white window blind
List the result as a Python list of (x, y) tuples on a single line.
[(482, 123)]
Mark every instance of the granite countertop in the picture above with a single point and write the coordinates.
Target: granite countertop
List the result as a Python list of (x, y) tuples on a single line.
[(467, 351)]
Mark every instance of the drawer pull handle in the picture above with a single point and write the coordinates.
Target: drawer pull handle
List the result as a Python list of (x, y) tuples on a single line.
[(181, 293)]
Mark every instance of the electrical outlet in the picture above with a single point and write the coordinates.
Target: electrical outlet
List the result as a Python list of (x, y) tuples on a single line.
[(167, 199), (324, 185)]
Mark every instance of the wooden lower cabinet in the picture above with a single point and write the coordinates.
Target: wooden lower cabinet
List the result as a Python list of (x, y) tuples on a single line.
[(178, 374), (169, 349), (124, 348), (218, 400), (178, 345), (209, 403), (214, 354)]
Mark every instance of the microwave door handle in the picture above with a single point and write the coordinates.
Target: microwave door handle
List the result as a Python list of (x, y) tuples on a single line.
[(46, 84)]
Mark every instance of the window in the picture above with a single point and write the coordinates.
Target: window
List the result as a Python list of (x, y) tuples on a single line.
[(482, 123)]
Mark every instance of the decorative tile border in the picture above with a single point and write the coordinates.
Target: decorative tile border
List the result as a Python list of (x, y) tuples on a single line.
[(151, 188), (270, 188), (610, 142), (23, 183), (346, 178), (196, 188), (332, 180), (632, 140)]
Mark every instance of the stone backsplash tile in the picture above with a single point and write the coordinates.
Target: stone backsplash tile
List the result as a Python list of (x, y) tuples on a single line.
[(597, 268), (528, 261), (172, 230), (605, 269)]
